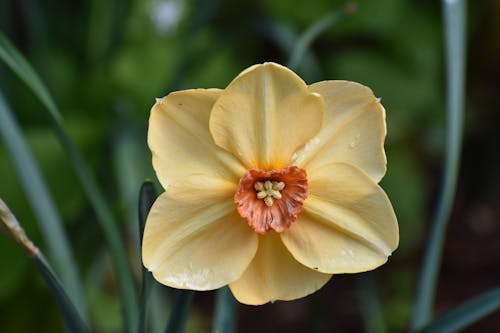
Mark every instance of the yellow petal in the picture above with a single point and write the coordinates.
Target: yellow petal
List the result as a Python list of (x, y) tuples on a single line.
[(180, 141), (200, 247), (274, 275), (265, 115), (348, 224), (353, 130), (200, 188)]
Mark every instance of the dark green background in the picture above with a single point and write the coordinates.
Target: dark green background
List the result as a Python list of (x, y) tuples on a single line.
[(105, 61)]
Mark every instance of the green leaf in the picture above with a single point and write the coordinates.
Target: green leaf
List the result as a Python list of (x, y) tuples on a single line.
[(454, 26), (466, 314), (180, 311), (147, 196), (225, 311), (12, 228), (305, 40), (72, 320), (40, 199), (16, 62)]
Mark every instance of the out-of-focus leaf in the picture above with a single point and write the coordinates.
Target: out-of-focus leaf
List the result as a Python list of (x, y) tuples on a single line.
[(304, 41), (104, 216), (147, 196), (13, 229), (42, 204), (466, 314), (455, 46), (225, 311), (180, 311)]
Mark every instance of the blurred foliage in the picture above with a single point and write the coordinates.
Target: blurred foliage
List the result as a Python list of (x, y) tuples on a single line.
[(105, 61)]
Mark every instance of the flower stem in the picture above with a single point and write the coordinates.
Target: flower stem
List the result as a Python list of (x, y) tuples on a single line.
[(454, 12), (180, 311), (147, 196), (225, 312)]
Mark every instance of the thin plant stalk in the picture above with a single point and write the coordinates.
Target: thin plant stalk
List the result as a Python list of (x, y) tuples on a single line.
[(147, 196), (454, 14), (225, 311), (180, 311)]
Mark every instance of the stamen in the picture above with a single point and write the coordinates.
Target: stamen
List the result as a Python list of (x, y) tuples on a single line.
[(271, 199), (268, 191)]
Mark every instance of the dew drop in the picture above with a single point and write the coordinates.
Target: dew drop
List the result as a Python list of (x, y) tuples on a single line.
[(355, 142)]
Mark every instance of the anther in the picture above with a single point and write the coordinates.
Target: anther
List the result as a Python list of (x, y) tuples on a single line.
[(268, 191)]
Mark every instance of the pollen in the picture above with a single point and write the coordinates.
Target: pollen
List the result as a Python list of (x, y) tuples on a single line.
[(271, 199)]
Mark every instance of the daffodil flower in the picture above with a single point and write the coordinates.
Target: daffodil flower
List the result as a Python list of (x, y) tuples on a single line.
[(271, 186)]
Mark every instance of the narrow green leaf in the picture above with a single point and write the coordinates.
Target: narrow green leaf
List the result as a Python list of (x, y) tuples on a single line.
[(11, 226), (454, 28), (147, 196), (180, 311), (72, 320), (44, 208), (305, 40), (225, 311), (20, 66), (285, 37), (16, 62), (466, 314)]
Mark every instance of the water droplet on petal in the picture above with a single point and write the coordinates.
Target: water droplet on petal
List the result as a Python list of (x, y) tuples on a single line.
[(355, 142)]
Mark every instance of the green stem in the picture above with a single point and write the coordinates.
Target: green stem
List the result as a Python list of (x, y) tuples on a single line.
[(147, 197), (225, 312), (180, 311), (454, 26)]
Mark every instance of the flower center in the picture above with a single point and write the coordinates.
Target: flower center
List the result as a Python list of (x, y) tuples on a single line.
[(268, 190), (271, 199)]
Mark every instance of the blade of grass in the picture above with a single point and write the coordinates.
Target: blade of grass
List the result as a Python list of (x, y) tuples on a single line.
[(180, 311), (44, 208), (12, 227), (72, 320), (16, 62), (466, 314), (305, 40), (225, 311), (454, 27), (147, 196)]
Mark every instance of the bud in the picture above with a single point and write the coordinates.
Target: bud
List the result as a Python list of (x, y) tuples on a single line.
[(10, 226)]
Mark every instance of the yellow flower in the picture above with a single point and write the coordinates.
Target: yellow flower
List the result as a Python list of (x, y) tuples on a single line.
[(270, 186)]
